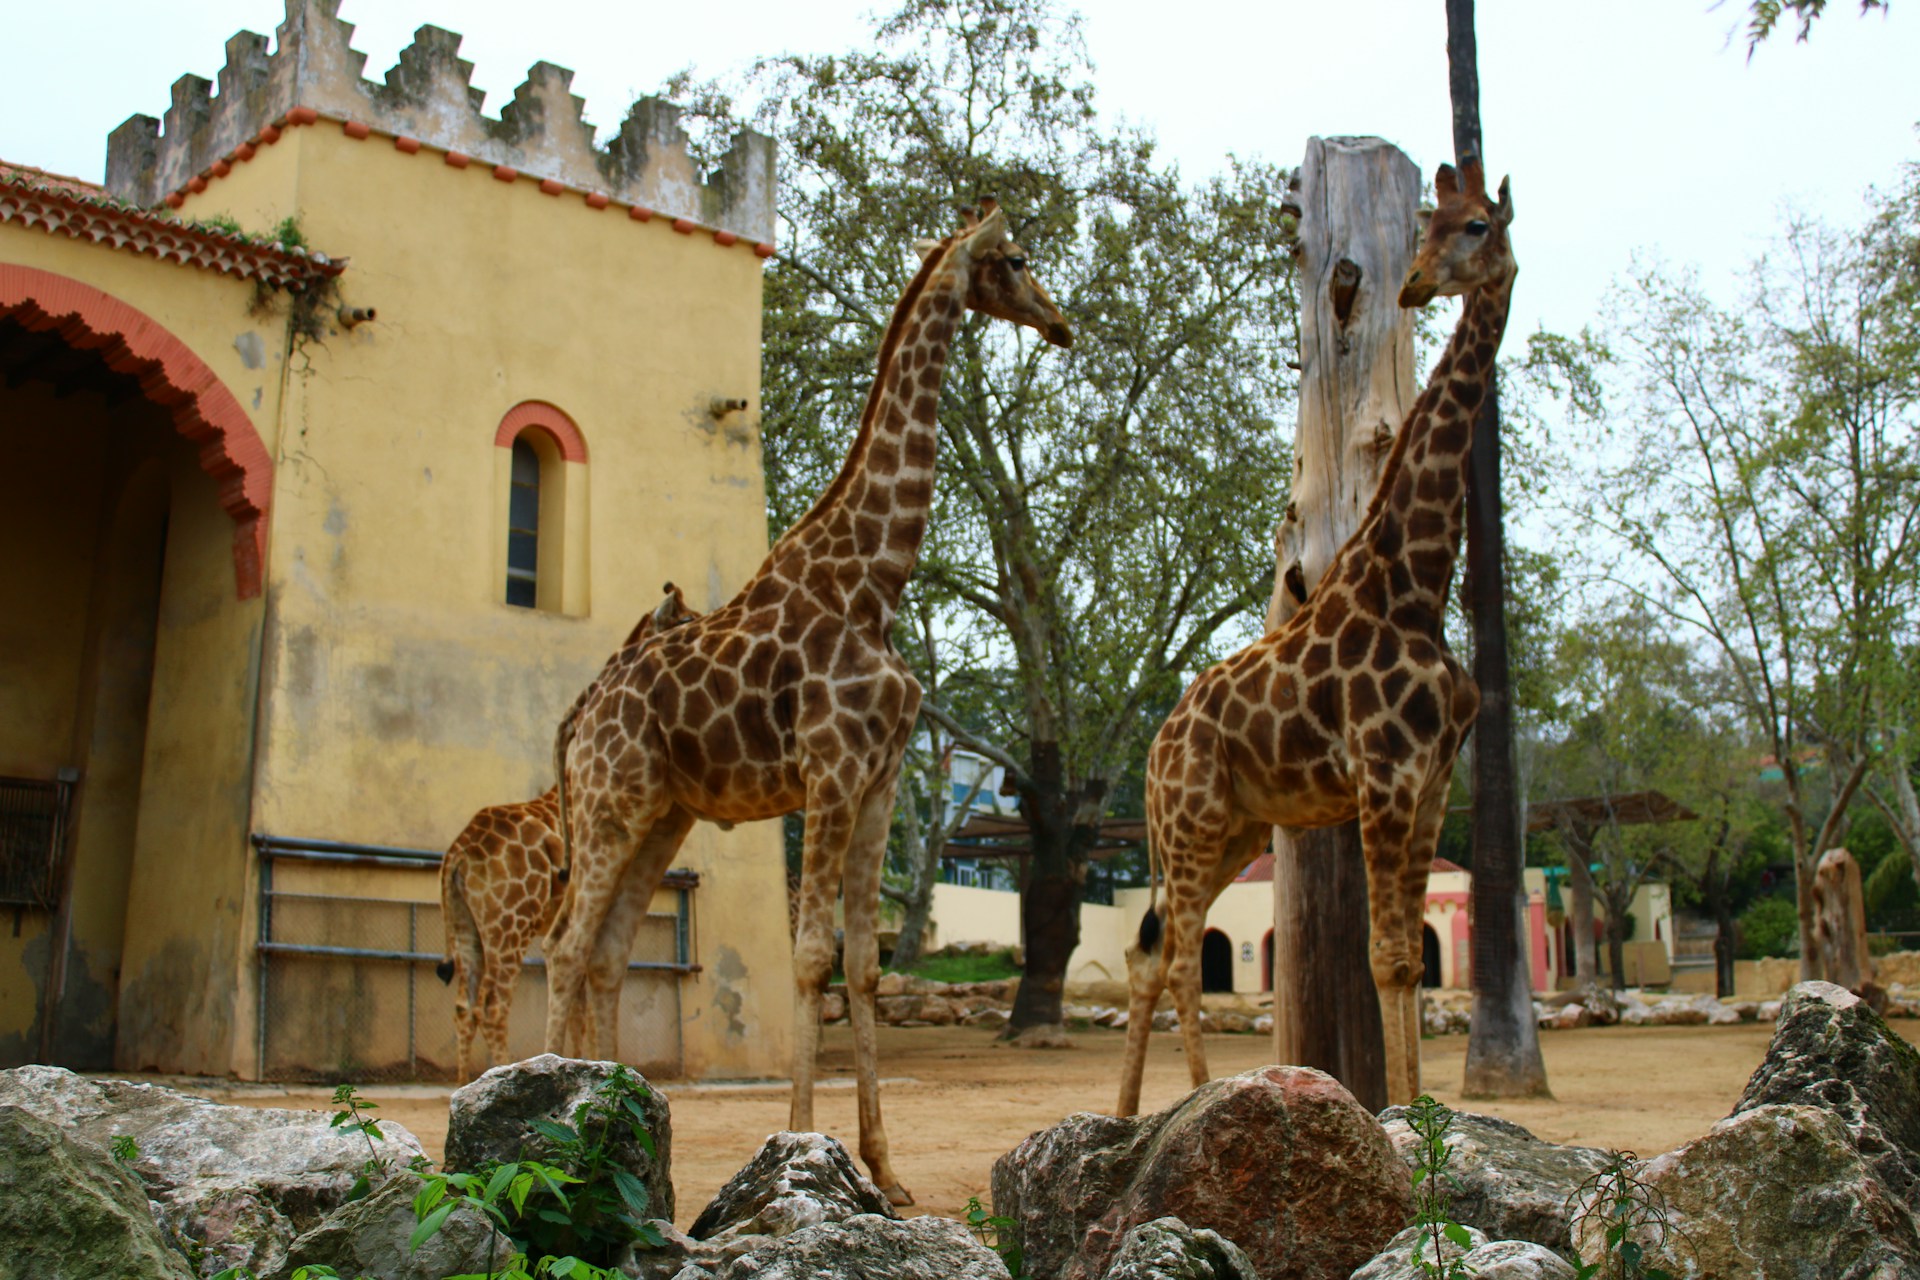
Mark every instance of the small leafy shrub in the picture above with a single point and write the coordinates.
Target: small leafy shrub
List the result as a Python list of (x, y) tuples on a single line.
[(1635, 1217), (504, 1187), (125, 1150), (1770, 927), (1433, 1188), (351, 1117), (996, 1232)]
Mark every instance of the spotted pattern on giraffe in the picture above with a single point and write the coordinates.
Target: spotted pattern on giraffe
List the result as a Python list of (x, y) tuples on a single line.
[(1353, 708), (789, 696)]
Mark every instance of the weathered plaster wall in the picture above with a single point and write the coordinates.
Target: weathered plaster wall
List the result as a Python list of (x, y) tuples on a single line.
[(402, 692)]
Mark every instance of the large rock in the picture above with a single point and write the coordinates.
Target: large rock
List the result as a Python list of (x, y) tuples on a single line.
[(1282, 1161), (1169, 1249), (370, 1237), (242, 1181), (868, 1247), (68, 1212), (1831, 1050), (1508, 1183), (1773, 1193), (492, 1119), (795, 1181)]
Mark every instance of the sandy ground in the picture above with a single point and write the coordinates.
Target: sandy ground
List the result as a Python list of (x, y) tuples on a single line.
[(955, 1100)]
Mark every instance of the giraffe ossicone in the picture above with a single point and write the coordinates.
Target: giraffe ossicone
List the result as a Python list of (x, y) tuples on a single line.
[(789, 696), (1353, 707)]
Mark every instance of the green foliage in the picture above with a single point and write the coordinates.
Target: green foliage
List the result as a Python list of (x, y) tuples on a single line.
[(316, 1271), (1764, 15), (1635, 1218), (996, 1231), (124, 1148), (1770, 927), (288, 234), (351, 1116), (1103, 517), (1433, 1188), (225, 224), (949, 967)]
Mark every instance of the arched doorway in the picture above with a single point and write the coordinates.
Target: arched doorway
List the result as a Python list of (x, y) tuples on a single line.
[(131, 486), (1216, 961), (1430, 956), (1266, 962)]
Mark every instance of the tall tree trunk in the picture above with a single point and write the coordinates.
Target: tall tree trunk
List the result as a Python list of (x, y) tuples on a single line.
[(1357, 199), (1617, 945), (1056, 874), (1503, 1044), (1723, 948)]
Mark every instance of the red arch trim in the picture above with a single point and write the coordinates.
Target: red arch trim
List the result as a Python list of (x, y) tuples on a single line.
[(550, 418), (170, 375)]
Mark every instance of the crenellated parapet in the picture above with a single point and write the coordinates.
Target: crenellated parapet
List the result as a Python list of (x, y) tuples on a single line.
[(429, 98)]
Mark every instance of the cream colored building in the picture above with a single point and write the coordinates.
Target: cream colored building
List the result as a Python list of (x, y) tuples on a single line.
[(264, 500)]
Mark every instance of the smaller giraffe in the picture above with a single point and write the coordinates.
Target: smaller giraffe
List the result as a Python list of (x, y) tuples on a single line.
[(500, 888)]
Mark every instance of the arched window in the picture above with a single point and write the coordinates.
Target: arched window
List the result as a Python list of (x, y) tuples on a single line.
[(541, 561), (1216, 961)]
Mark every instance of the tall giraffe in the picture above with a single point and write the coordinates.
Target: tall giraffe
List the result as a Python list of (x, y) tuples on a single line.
[(500, 888), (1353, 707), (790, 695)]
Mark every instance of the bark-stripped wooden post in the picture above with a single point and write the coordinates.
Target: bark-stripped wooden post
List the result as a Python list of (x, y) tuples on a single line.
[(1357, 200)]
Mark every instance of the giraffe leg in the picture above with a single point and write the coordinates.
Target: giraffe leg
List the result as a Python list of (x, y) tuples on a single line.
[(463, 1020), (613, 948), (499, 970), (1146, 979), (1388, 807), (860, 896), (1186, 922), (1427, 821), (603, 844), (828, 830)]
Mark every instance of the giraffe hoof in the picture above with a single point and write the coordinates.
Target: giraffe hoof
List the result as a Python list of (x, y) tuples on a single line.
[(897, 1196)]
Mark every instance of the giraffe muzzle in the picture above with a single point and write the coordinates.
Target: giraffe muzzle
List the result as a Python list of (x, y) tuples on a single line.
[(1415, 291)]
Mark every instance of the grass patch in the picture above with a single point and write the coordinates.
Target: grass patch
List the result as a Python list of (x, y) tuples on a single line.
[(965, 968)]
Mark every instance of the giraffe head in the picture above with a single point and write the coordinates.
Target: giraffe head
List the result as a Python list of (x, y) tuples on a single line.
[(671, 612), (1465, 245), (999, 281)]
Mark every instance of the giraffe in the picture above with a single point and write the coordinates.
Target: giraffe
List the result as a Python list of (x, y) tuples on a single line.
[(1353, 707), (789, 696), (500, 889)]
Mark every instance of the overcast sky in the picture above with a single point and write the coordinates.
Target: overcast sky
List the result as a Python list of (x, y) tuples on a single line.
[(1626, 125)]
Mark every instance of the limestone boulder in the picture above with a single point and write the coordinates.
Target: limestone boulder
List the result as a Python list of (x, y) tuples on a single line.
[(833, 1006), (69, 1212), (795, 1181), (1282, 1161), (1482, 1259), (241, 1181), (1570, 1017), (1510, 1184), (1771, 1193), (914, 1009), (370, 1237), (1718, 1015), (493, 1119), (1230, 1022), (1831, 1050), (1168, 1249), (868, 1247), (1262, 1024)]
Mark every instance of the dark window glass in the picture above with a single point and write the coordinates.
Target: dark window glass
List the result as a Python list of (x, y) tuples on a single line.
[(523, 526)]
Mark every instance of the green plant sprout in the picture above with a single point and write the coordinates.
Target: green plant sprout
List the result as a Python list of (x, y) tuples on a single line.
[(125, 1149), (996, 1232), (1633, 1213), (350, 1117), (1433, 1188)]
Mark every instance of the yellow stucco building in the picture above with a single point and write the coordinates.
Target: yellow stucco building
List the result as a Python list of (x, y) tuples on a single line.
[(313, 532)]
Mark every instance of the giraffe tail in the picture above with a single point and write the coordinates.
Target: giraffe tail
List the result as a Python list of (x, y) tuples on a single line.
[(453, 908), (561, 741)]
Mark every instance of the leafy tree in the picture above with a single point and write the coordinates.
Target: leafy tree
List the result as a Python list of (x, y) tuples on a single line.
[(1765, 15), (1757, 487), (1103, 517)]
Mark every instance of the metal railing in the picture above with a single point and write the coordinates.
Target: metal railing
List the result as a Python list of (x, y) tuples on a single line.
[(335, 967)]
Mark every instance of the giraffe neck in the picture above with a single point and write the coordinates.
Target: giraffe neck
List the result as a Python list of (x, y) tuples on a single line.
[(856, 547), (1418, 512)]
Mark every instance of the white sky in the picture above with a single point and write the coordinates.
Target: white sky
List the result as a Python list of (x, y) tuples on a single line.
[(1633, 124)]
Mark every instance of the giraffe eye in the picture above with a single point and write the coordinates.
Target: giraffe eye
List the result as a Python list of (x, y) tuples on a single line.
[(1477, 227), (1018, 264)]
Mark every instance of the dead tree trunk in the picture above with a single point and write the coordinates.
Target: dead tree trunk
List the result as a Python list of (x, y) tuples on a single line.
[(1357, 200)]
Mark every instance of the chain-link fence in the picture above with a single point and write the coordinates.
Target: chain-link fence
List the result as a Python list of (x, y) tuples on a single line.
[(349, 939)]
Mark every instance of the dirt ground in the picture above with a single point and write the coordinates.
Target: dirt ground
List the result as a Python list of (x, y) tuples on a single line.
[(955, 1100)]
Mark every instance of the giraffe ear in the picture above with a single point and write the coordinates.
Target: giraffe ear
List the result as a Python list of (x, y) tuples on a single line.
[(1445, 181), (925, 248), (1503, 211)]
